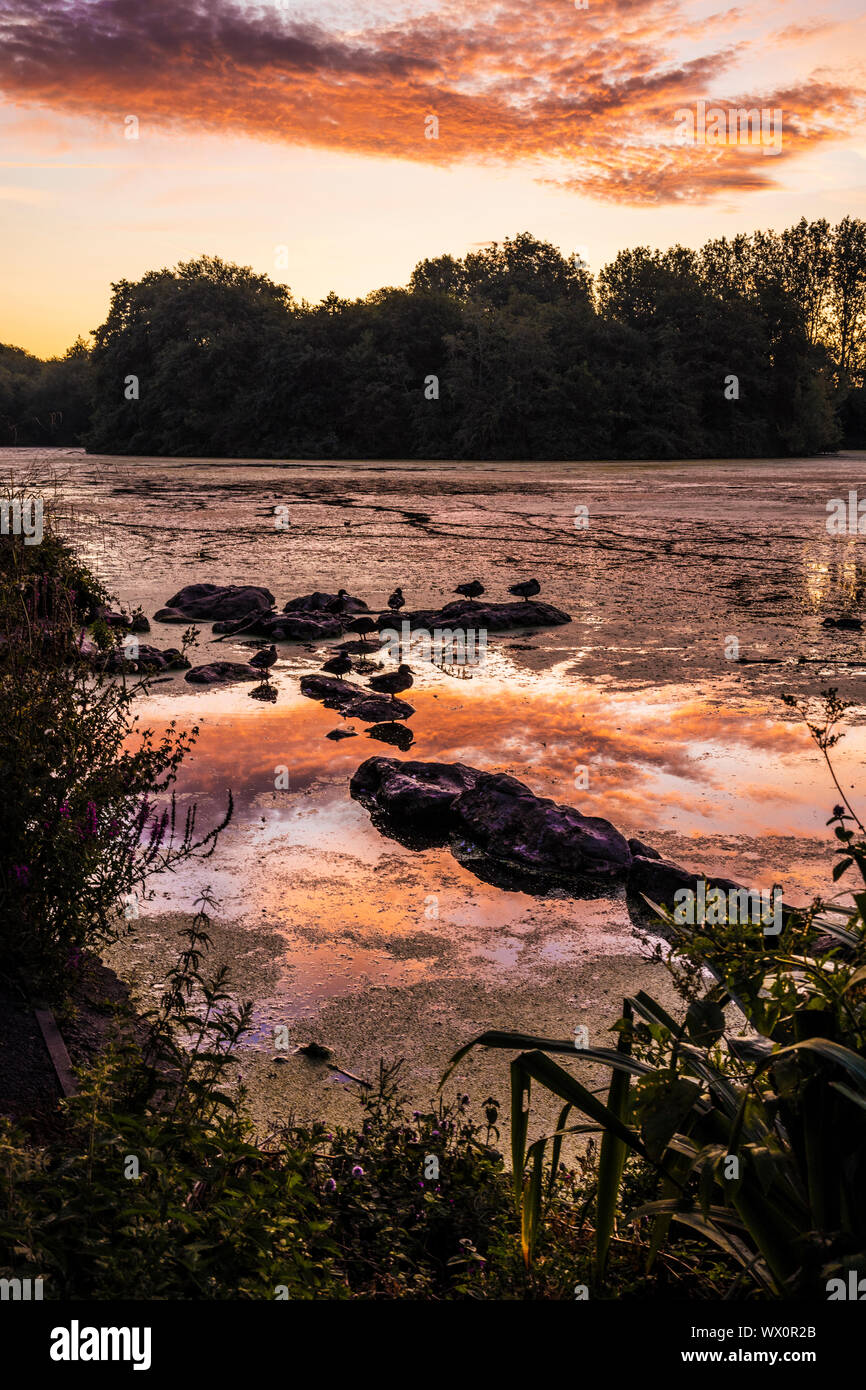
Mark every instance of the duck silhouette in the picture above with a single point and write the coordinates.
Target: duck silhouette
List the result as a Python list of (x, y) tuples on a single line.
[(526, 589), (264, 660), (338, 666), (396, 601), (472, 590), (392, 682)]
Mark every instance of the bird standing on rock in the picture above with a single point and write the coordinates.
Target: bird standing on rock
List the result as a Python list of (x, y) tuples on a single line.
[(396, 601), (527, 589), (264, 660), (392, 682), (473, 590), (338, 666)]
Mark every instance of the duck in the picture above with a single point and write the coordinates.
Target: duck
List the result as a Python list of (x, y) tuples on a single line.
[(338, 666), (264, 660), (526, 589), (362, 625), (392, 682), (396, 601), (472, 590)]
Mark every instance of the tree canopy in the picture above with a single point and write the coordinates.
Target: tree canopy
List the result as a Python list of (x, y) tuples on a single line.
[(746, 347)]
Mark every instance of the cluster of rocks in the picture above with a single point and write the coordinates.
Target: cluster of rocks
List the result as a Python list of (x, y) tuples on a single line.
[(493, 617), (120, 659), (135, 623), (353, 701), (505, 834), (147, 659), (250, 608), (317, 616)]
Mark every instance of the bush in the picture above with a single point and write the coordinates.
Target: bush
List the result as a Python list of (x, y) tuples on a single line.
[(87, 812)]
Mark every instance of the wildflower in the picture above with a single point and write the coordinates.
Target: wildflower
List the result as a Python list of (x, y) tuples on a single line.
[(64, 810), (357, 1171), (22, 874), (330, 1185)]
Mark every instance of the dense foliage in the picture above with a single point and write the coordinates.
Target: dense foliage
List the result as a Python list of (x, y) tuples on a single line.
[(155, 1186), (513, 351), (87, 813)]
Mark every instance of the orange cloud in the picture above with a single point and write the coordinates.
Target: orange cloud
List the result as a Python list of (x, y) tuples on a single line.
[(587, 96)]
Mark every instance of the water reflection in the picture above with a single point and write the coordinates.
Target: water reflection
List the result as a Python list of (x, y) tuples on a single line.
[(678, 759)]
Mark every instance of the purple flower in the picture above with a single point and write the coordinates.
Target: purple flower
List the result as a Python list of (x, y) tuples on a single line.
[(357, 1171), (64, 809), (330, 1185), (22, 874)]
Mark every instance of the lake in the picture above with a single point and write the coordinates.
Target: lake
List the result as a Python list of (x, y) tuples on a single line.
[(638, 710)]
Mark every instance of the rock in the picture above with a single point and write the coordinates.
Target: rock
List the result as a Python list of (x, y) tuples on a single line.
[(176, 659), (415, 797), (148, 659), (537, 838), (282, 627), (321, 602), (352, 701), (493, 617), (844, 624), (314, 1050), (114, 619), (217, 602), (221, 673), (337, 734), (638, 848), (139, 624), (170, 615), (299, 627), (659, 879)]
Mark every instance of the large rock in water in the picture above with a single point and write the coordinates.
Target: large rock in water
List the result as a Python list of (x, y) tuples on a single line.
[(412, 801), (494, 617), (495, 825), (353, 701), (538, 839), (321, 602), (287, 627), (221, 673), (215, 602)]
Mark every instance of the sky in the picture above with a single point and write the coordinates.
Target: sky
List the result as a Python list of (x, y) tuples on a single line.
[(333, 144)]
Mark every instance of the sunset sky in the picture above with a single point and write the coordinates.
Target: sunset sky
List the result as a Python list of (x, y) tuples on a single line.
[(302, 124)]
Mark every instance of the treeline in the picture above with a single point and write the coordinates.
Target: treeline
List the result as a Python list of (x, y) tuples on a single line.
[(748, 347), (46, 402)]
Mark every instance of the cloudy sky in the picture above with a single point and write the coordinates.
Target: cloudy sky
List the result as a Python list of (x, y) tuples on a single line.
[(306, 124)]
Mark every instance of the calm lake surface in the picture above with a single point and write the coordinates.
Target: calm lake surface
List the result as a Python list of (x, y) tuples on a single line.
[(683, 746)]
